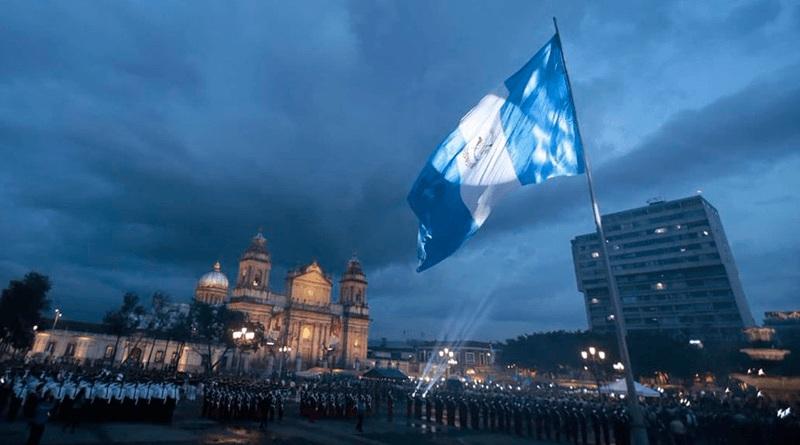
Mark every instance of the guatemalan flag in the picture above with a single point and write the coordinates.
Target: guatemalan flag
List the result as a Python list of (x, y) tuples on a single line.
[(522, 133)]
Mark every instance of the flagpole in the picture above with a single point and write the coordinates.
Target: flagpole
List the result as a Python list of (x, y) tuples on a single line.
[(638, 430)]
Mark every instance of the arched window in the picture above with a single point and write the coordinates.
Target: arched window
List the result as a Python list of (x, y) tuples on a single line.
[(135, 355)]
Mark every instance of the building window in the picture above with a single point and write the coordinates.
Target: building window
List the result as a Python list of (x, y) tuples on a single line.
[(70, 351), (135, 355), (109, 351), (595, 254), (159, 357), (469, 358), (50, 348)]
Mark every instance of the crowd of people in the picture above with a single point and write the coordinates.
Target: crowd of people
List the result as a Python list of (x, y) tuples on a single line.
[(577, 417), (74, 395), (245, 399), (544, 413)]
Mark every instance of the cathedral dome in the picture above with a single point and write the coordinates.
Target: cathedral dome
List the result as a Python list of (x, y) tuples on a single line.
[(214, 279)]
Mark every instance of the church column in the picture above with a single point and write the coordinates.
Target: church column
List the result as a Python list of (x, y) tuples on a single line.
[(317, 342)]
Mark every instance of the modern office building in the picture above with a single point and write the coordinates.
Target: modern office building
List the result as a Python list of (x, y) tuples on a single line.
[(674, 270)]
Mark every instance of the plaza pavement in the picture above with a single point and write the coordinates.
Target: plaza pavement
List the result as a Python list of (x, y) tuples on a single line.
[(188, 428)]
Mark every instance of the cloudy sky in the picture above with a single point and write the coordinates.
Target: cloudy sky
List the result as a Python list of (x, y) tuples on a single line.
[(140, 142)]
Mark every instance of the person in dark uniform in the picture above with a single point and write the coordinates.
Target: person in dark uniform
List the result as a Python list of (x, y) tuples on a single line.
[(451, 412), (547, 419), (517, 419), (428, 409), (605, 417), (361, 409), (263, 411), (474, 414), (527, 415), (571, 424), (462, 414), (556, 420), (389, 406), (500, 412), (76, 411), (538, 420), (409, 404), (594, 416), (583, 423), (39, 417), (485, 414), (439, 405)]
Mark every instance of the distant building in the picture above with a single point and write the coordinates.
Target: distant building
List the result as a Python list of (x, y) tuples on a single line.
[(674, 269), (475, 359), (785, 323), (400, 355), (304, 327)]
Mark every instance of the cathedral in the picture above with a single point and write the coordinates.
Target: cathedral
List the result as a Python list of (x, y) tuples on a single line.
[(303, 325)]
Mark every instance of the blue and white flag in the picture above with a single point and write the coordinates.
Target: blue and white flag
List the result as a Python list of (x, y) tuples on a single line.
[(522, 133)]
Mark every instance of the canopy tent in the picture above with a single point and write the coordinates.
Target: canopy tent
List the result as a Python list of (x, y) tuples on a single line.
[(385, 373), (619, 387)]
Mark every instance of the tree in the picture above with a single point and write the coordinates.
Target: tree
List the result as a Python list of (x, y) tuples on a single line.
[(159, 322), (21, 307), (213, 325), (552, 351), (124, 320)]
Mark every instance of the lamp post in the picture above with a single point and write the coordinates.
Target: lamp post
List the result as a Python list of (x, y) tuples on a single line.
[(594, 359), (56, 317), (240, 338), (448, 357), (284, 350), (327, 352)]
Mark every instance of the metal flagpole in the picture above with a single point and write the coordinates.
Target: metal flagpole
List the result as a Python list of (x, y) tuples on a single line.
[(638, 430)]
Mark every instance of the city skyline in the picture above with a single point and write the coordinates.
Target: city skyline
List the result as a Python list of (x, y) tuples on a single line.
[(142, 145)]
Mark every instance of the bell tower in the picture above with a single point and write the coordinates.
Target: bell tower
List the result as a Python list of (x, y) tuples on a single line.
[(355, 315), (353, 285), (254, 267)]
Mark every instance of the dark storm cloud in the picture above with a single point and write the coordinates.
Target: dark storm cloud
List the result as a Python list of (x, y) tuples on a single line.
[(141, 142)]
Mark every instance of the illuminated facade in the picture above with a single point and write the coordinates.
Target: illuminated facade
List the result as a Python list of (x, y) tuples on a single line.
[(317, 330), (303, 327)]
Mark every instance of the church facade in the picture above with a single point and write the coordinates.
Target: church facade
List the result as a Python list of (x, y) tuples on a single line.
[(303, 326)]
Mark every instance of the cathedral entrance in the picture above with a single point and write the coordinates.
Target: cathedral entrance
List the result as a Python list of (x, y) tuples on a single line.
[(306, 346)]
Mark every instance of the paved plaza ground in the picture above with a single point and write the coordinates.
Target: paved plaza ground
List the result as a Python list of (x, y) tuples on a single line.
[(189, 428)]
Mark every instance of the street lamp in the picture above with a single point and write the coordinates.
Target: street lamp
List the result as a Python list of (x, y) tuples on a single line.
[(327, 353), (284, 350), (594, 359), (448, 357), (57, 315), (241, 337)]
